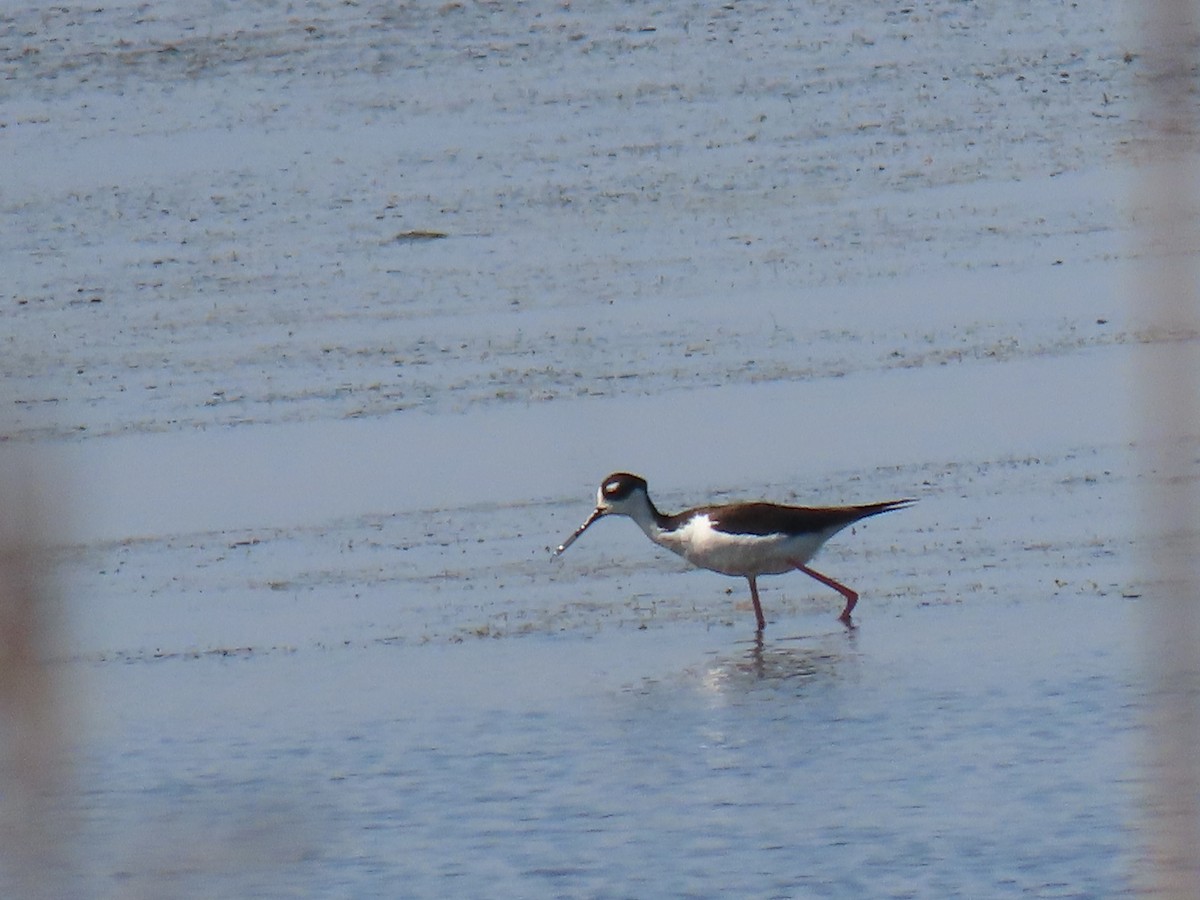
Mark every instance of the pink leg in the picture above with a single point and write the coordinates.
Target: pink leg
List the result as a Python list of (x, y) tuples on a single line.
[(851, 596), (762, 623)]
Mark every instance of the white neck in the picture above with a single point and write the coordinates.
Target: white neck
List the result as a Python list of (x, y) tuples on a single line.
[(643, 512)]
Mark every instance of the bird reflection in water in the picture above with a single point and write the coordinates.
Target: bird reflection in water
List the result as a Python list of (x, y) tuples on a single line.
[(797, 661)]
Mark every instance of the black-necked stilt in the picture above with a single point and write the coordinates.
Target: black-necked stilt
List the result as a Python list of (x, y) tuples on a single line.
[(747, 539)]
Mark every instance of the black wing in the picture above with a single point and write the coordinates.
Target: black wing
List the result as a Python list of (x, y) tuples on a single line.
[(770, 518)]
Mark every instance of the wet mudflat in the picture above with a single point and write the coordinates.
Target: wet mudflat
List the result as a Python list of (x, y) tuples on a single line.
[(321, 331)]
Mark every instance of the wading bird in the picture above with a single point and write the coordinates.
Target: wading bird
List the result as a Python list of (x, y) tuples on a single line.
[(746, 539)]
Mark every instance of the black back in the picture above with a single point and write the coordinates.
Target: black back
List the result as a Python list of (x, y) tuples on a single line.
[(770, 518)]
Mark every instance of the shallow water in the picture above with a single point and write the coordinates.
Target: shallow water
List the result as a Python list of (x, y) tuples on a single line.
[(974, 750)]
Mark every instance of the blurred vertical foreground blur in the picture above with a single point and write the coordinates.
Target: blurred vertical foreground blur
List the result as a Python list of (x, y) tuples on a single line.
[(35, 827), (1168, 396)]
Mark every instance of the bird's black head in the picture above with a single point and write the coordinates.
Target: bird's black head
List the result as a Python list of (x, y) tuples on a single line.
[(617, 487), (620, 494)]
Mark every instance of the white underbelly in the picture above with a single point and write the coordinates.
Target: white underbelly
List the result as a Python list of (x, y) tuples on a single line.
[(740, 554)]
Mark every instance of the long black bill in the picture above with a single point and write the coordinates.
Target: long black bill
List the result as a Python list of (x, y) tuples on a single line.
[(578, 531)]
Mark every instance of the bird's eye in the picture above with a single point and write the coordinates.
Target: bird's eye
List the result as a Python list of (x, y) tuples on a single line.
[(611, 488)]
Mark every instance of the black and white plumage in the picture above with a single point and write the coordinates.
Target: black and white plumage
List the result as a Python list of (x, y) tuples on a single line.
[(746, 539)]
